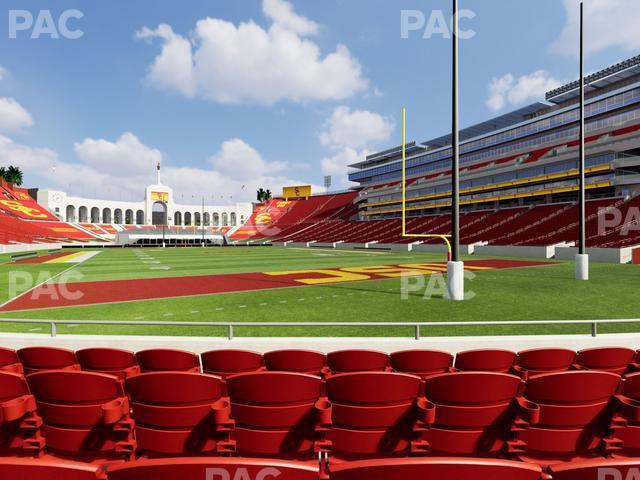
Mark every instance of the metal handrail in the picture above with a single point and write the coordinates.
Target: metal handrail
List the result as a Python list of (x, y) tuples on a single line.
[(417, 326)]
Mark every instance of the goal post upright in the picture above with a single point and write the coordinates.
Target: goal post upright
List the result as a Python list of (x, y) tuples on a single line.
[(444, 238)]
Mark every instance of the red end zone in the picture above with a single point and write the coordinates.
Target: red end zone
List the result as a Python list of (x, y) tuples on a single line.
[(52, 295)]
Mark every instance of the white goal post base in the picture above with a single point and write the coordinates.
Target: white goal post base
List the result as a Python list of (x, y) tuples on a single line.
[(582, 267), (455, 280)]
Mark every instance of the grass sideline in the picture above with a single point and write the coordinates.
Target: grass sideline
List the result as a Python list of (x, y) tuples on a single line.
[(534, 293)]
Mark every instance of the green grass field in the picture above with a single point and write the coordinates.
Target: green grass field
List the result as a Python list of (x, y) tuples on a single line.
[(548, 292)]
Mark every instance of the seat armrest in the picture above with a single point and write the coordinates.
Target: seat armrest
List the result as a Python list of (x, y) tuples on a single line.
[(112, 412), (528, 411), (17, 408), (426, 411)]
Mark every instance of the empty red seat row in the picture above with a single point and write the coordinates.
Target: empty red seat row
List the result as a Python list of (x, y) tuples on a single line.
[(227, 362), (549, 418)]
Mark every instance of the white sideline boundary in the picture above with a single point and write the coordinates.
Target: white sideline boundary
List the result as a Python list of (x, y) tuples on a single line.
[(323, 344)]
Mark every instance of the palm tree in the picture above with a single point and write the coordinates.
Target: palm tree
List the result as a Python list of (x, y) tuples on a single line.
[(13, 175), (3, 173), (260, 194), (267, 194)]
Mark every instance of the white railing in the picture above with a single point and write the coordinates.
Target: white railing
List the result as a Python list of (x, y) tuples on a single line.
[(229, 326)]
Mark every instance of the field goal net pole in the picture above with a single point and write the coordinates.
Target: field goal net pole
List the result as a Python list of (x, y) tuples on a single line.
[(444, 238)]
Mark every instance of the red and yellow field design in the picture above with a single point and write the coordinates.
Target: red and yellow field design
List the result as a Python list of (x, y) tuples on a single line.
[(90, 293)]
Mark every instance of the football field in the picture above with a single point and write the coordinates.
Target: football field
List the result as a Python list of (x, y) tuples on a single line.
[(275, 284)]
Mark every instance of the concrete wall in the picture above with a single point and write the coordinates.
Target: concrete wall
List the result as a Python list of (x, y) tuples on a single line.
[(29, 247), (605, 255), (515, 251)]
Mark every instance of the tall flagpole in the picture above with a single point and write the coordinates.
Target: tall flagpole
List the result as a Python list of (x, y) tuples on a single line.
[(582, 259), (455, 268)]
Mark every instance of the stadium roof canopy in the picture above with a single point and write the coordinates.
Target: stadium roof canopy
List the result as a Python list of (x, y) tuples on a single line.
[(613, 74), (497, 123)]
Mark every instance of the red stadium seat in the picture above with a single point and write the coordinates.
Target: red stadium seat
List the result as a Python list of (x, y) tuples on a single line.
[(300, 361), (345, 361), (423, 363), (214, 469), (180, 413), (575, 409), (377, 414), (435, 468), (476, 412), (86, 415), (19, 423), (47, 469), (230, 362), (485, 360), (37, 359), (167, 360), (9, 361), (597, 469), (111, 361), (626, 421), (607, 359), (278, 414), (543, 360)]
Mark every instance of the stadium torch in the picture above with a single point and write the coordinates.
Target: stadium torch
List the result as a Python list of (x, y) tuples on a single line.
[(582, 259), (455, 267)]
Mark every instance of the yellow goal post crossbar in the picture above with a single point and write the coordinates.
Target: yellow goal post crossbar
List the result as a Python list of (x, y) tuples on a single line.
[(444, 238)]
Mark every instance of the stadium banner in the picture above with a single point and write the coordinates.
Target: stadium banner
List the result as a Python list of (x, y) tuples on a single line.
[(160, 197), (296, 191)]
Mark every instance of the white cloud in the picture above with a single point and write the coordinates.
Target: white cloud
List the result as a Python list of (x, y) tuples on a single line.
[(282, 13), (357, 128), (3, 72), (13, 116), (608, 23), (337, 164), (126, 156), (122, 169), (247, 63), (508, 90), (239, 160)]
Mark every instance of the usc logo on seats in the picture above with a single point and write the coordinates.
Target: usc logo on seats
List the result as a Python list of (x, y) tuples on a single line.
[(242, 473), (19, 207)]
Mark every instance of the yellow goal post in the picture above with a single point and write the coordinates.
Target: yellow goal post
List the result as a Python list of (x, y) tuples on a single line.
[(444, 238)]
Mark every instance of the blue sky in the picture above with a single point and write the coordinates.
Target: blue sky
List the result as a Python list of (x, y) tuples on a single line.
[(267, 92)]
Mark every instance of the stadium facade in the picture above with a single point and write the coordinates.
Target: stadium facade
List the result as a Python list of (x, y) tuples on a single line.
[(150, 211), (523, 158)]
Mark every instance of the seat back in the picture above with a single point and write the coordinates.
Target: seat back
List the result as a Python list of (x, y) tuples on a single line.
[(120, 363), (627, 410), (19, 423), (213, 469), (610, 469), (84, 413), (344, 361), (231, 362), (475, 412), (277, 413), (436, 468), (485, 360), (36, 359), (301, 361), (41, 469), (179, 412), (607, 359), (543, 360), (575, 411), (9, 361), (423, 363), (374, 413), (167, 360)]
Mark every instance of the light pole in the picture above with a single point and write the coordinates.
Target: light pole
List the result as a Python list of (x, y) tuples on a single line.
[(582, 259), (455, 267)]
